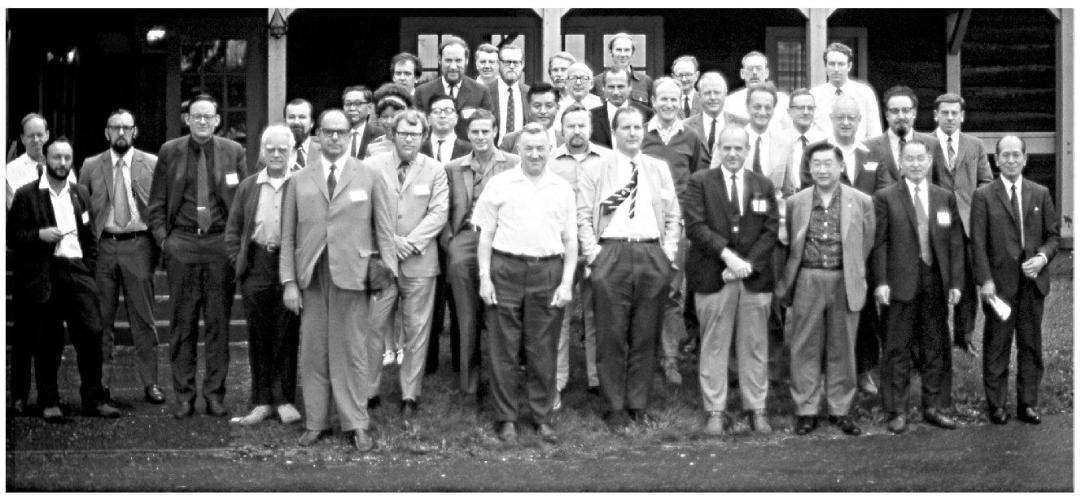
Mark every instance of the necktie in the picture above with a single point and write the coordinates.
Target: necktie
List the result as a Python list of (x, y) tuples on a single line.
[(41, 170), (921, 227), (510, 109), (331, 182), (712, 134), (353, 145), (402, 169), (202, 195), (686, 106), (1015, 205), (630, 191), (121, 208), (452, 92), (900, 147), (803, 143), (756, 165), (300, 162), (837, 92), (733, 196), (439, 150), (949, 153)]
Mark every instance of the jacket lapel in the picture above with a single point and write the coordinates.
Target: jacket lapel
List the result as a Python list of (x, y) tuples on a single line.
[(344, 178), (802, 218), (219, 166), (107, 174), (316, 176), (910, 207), (467, 180), (1000, 191), (1026, 199)]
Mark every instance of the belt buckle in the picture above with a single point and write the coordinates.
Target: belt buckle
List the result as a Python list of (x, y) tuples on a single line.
[(272, 248), (200, 231)]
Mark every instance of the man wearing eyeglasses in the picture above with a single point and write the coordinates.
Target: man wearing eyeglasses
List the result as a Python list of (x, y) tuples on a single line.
[(685, 71), (579, 82), (119, 184), (509, 92), (754, 71), (443, 144), (193, 187), (357, 104)]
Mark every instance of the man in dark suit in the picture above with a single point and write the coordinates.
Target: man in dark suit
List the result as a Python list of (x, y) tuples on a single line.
[(831, 229), (960, 166), (731, 216), (253, 241), (467, 176), (118, 181), (357, 104), (901, 107), (508, 92), (543, 102), (468, 95), (49, 229), (299, 119), (639, 86), (1012, 242), (190, 196), (444, 144), (616, 91), (917, 267)]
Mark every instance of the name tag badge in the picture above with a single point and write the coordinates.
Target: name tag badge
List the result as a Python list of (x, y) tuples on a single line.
[(358, 195), (870, 165), (86, 217), (422, 190), (231, 179), (758, 206), (944, 218), (467, 112)]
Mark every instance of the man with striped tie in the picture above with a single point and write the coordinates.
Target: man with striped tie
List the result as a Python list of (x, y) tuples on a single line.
[(629, 229), (298, 117)]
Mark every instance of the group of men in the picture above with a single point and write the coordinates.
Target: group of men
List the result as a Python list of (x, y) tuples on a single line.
[(809, 232)]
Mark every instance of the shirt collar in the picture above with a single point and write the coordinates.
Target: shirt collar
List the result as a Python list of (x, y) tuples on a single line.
[(561, 151), (908, 137), (752, 135), (942, 136), (447, 85), (655, 124), (43, 183), (857, 144), (264, 178), (127, 156), (337, 164), (1005, 182), (728, 174), (922, 185), (626, 160)]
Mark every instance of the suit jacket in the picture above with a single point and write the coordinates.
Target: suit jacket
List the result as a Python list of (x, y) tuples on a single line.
[(896, 258), (170, 176), (471, 95), (602, 123), (32, 210), (857, 241), (696, 106), (598, 181), (349, 227), (780, 156), (997, 253), (640, 89), (865, 172), (460, 149), (888, 171), (497, 107), (509, 143), (418, 208), (372, 131), (460, 179), (971, 170), (241, 224), (710, 221), (97, 177)]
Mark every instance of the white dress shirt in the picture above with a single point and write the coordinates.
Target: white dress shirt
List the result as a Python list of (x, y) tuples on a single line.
[(871, 121), (740, 187), (135, 223), (644, 223), (763, 160), (337, 170), (24, 170), (529, 217), (923, 196), (64, 212), (269, 209), (736, 106), (443, 152), (356, 137), (895, 144), (457, 87)]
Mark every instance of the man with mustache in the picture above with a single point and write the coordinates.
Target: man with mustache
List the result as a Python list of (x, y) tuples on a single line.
[(509, 92), (468, 94)]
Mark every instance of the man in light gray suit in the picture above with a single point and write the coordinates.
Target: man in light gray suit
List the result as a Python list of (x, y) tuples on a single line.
[(119, 184), (417, 185), (334, 218)]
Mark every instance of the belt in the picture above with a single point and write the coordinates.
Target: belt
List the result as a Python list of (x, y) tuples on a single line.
[(268, 247), (470, 227), (527, 258), (629, 240), (200, 232), (823, 268), (124, 236)]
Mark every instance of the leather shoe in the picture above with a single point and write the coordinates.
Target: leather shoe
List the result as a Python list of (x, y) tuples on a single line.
[(102, 409), (1028, 415), (897, 424), (409, 410), (184, 410), (374, 402), (805, 424), (998, 416), (714, 424), (214, 408), (760, 423), (547, 433), (617, 421), (311, 437), (361, 440), (845, 424), (640, 417), (507, 432), (154, 395), (934, 416)]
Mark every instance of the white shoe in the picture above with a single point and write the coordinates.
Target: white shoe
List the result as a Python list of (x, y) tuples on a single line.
[(400, 356), (558, 402), (288, 413), (388, 357), (258, 414)]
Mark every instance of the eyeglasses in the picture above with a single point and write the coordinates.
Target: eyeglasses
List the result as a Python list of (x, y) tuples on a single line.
[(900, 111), (510, 63), (355, 104), (442, 111), (203, 118), (331, 132), (121, 128), (805, 109), (684, 76), (282, 150), (579, 79), (407, 135)]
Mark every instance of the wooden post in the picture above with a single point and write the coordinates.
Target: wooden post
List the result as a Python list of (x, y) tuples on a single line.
[(817, 28), (1064, 106), (276, 77), (956, 25), (551, 35)]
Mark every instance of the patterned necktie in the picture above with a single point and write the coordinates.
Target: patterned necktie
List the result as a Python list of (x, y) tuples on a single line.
[(300, 162), (439, 150), (733, 196), (402, 169), (628, 192), (121, 207), (510, 109), (950, 153), (1015, 206), (202, 192), (712, 134), (756, 165), (921, 227), (353, 145), (331, 182)]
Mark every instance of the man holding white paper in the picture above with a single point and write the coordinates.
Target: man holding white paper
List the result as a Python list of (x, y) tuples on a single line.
[(1015, 233)]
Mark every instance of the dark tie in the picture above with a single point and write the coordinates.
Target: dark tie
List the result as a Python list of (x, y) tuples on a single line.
[(510, 109), (41, 170), (353, 145), (921, 227), (300, 162), (630, 191), (331, 182), (686, 106), (900, 148), (712, 134), (950, 153), (452, 92), (756, 165), (202, 193), (402, 169), (837, 92), (439, 150), (1015, 205), (121, 208), (803, 143), (733, 196)]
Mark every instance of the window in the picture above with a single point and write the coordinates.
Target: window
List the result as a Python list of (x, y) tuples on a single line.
[(219, 68)]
